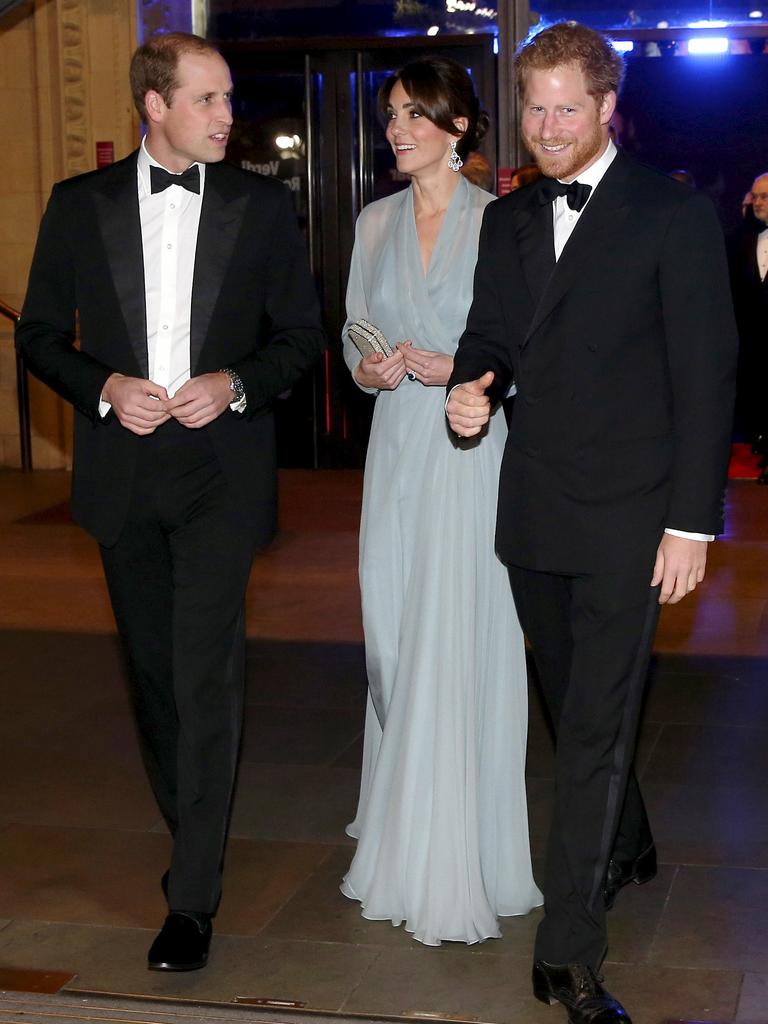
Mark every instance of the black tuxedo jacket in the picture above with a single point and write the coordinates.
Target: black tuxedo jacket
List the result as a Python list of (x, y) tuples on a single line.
[(254, 309), (624, 358)]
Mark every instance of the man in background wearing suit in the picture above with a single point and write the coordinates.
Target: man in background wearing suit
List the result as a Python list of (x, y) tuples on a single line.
[(602, 290), (748, 259), (196, 309)]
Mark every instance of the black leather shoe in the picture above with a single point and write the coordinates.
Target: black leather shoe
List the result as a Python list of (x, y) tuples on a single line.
[(580, 991), (182, 945), (620, 873)]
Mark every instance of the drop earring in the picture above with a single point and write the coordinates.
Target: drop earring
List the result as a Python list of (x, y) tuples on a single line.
[(454, 160)]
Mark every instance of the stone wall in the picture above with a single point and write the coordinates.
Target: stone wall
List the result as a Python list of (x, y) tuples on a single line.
[(64, 82)]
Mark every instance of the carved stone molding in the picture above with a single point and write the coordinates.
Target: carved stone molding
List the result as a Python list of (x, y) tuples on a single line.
[(73, 35)]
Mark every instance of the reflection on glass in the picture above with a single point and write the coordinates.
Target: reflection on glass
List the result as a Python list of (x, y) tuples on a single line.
[(269, 134), (643, 14), (243, 19)]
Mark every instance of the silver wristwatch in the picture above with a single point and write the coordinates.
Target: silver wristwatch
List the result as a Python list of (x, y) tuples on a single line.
[(236, 385)]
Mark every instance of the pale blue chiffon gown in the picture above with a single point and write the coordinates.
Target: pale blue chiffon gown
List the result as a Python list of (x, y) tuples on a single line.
[(442, 823)]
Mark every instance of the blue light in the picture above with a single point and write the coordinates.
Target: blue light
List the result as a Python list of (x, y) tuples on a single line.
[(705, 45), (623, 45), (495, 44)]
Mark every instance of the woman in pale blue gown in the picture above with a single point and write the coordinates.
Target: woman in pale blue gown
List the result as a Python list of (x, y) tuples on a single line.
[(442, 823)]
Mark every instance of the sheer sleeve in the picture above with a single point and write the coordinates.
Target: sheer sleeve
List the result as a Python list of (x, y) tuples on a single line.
[(369, 232)]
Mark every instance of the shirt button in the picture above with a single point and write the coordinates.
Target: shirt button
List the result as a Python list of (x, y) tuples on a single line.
[(165, 327), (173, 206), (169, 246)]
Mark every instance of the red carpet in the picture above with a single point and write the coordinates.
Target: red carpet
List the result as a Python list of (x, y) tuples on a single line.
[(744, 465)]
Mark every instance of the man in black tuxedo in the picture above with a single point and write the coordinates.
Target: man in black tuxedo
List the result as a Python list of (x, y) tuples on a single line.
[(606, 300), (748, 260), (196, 308)]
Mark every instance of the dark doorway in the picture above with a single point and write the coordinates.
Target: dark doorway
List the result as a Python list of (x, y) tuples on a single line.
[(306, 113)]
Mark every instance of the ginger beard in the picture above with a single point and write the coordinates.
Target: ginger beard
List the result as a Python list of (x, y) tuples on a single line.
[(576, 154)]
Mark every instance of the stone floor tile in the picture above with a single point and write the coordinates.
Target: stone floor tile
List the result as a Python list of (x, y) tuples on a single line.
[(319, 975), (260, 878), (291, 735), (352, 756), (308, 675), (753, 1000), (445, 980), (715, 919), (106, 877), (295, 803), (319, 912), (655, 994), (86, 875), (77, 775), (713, 699), (635, 917), (709, 755), (717, 825)]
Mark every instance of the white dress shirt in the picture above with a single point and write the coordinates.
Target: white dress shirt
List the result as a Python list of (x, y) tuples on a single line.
[(564, 220), (169, 223), (762, 253)]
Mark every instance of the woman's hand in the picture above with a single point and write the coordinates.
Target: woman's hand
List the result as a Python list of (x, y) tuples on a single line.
[(375, 371), (431, 368)]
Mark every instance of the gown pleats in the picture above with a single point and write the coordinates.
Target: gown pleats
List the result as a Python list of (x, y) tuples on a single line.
[(442, 822)]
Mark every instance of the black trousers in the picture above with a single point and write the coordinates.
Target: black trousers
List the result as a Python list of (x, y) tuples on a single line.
[(591, 638), (177, 578)]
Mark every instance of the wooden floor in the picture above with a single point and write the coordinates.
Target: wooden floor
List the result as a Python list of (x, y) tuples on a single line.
[(82, 848)]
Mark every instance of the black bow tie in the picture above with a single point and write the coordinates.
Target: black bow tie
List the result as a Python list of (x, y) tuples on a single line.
[(160, 179), (576, 192)]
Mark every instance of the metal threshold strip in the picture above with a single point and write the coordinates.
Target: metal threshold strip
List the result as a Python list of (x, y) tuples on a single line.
[(77, 1006)]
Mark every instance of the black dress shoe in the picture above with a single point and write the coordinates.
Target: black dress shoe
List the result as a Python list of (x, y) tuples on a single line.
[(621, 872), (580, 991), (182, 944)]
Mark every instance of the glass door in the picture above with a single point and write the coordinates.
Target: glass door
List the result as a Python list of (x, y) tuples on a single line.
[(305, 113)]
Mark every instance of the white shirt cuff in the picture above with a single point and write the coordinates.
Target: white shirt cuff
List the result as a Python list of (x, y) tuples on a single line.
[(104, 408), (690, 536)]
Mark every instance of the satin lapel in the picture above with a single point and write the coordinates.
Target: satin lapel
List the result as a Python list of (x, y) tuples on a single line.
[(220, 220), (117, 208), (536, 240), (604, 216)]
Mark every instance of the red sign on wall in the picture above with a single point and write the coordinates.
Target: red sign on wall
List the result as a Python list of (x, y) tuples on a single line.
[(504, 178), (105, 154)]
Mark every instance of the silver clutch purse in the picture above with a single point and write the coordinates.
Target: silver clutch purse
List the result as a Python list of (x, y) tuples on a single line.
[(368, 339)]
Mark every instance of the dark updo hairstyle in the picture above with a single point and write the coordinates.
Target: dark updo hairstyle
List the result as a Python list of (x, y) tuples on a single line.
[(440, 90)]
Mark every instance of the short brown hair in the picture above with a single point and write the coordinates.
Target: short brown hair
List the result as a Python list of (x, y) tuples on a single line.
[(440, 90), (568, 42), (154, 64)]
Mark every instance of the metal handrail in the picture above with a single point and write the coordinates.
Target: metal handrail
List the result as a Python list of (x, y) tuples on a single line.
[(22, 396)]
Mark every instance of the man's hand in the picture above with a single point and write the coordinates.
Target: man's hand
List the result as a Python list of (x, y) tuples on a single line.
[(139, 404), (201, 399), (680, 565), (377, 372), (431, 368), (469, 408)]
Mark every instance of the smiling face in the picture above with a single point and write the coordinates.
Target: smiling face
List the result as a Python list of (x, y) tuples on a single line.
[(565, 129), (418, 144), (195, 125), (760, 198)]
